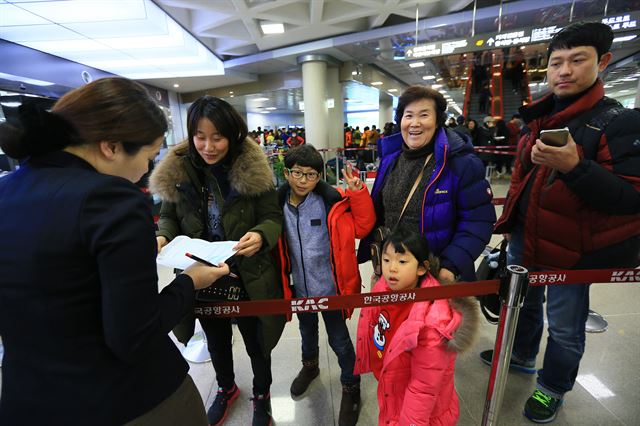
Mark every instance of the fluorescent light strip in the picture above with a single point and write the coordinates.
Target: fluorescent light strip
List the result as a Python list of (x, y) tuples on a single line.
[(624, 38)]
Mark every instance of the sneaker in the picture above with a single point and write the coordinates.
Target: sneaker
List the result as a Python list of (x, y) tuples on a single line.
[(221, 405), (349, 405), (304, 378), (541, 408), (261, 410), (527, 368)]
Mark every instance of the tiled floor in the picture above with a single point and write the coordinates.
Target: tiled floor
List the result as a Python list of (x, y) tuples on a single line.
[(605, 394)]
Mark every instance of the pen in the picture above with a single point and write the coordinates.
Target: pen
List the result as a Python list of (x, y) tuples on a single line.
[(204, 262)]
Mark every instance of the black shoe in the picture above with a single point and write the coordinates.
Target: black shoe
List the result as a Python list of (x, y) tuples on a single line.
[(304, 378), (350, 405), (221, 405), (527, 368), (261, 410)]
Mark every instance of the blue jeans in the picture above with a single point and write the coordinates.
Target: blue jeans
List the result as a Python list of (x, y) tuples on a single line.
[(567, 310), (339, 341)]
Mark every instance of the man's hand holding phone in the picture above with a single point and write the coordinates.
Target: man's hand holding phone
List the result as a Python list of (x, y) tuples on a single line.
[(562, 158)]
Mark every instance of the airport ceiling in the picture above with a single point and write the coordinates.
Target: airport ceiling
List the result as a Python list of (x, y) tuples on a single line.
[(232, 28), (369, 35)]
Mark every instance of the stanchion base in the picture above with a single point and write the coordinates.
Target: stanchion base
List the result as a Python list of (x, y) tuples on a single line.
[(595, 323), (196, 350)]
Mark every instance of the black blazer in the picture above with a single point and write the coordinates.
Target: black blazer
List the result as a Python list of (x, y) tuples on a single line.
[(84, 328)]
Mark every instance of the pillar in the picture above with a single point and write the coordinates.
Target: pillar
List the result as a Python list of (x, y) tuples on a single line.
[(385, 108), (336, 114), (314, 92)]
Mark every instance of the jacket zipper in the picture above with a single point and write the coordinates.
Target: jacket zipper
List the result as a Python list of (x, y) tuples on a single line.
[(424, 197), (304, 272)]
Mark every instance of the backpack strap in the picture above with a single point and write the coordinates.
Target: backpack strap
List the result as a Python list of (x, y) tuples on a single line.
[(593, 124)]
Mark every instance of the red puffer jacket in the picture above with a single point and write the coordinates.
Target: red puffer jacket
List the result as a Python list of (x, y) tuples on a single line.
[(416, 381), (575, 220)]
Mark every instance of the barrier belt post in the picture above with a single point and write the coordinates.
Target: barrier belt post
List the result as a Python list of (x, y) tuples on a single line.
[(513, 288), (344, 159), (324, 169)]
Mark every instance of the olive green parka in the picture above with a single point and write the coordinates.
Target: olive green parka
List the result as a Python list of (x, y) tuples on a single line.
[(251, 205)]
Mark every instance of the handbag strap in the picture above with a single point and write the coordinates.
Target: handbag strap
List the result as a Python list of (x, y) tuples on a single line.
[(415, 186)]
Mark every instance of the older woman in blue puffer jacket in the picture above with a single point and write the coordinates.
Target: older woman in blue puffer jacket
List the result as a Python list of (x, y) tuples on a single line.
[(451, 204)]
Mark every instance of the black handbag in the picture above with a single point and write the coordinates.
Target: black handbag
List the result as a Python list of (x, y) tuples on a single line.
[(225, 289), (493, 266)]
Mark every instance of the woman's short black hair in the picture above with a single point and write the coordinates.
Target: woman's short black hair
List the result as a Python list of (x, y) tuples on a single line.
[(419, 92), (304, 156), (226, 119), (595, 34)]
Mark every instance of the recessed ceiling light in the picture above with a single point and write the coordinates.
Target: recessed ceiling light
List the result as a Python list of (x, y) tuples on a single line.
[(231, 92), (354, 72), (436, 86), (271, 108), (392, 90), (272, 27), (376, 83), (429, 77), (176, 85), (265, 112), (416, 64), (261, 99), (443, 91)]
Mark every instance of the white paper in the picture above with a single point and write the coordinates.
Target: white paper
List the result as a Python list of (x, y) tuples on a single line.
[(173, 255)]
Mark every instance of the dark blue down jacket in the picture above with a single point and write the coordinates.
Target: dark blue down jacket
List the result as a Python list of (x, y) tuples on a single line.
[(457, 214)]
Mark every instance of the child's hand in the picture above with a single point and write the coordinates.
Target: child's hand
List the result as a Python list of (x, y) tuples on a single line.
[(354, 183), (203, 276)]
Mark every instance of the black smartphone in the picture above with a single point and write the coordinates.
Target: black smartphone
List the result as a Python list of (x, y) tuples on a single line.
[(555, 137)]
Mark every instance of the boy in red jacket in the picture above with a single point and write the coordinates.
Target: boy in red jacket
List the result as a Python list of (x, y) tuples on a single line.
[(320, 226)]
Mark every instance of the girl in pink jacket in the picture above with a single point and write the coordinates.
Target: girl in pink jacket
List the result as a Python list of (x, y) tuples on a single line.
[(411, 348)]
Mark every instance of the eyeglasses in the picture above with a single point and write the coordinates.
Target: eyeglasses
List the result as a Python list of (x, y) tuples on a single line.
[(298, 174)]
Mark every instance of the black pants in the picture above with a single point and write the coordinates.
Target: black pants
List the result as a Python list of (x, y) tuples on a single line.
[(219, 333)]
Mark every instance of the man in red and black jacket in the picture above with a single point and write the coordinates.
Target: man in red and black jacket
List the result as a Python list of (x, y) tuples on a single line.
[(570, 207)]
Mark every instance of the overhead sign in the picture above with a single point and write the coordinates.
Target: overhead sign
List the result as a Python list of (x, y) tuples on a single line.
[(621, 22), (530, 35)]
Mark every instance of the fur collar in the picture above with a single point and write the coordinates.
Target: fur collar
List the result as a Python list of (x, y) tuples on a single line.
[(250, 174), (464, 337)]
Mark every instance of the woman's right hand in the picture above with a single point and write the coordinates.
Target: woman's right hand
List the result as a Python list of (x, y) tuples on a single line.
[(162, 241), (203, 276)]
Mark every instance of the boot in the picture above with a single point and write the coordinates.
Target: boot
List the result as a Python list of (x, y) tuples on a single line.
[(306, 375), (350, 405)]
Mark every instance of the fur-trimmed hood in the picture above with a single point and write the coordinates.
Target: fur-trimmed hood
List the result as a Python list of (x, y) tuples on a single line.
[(250, 174)]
